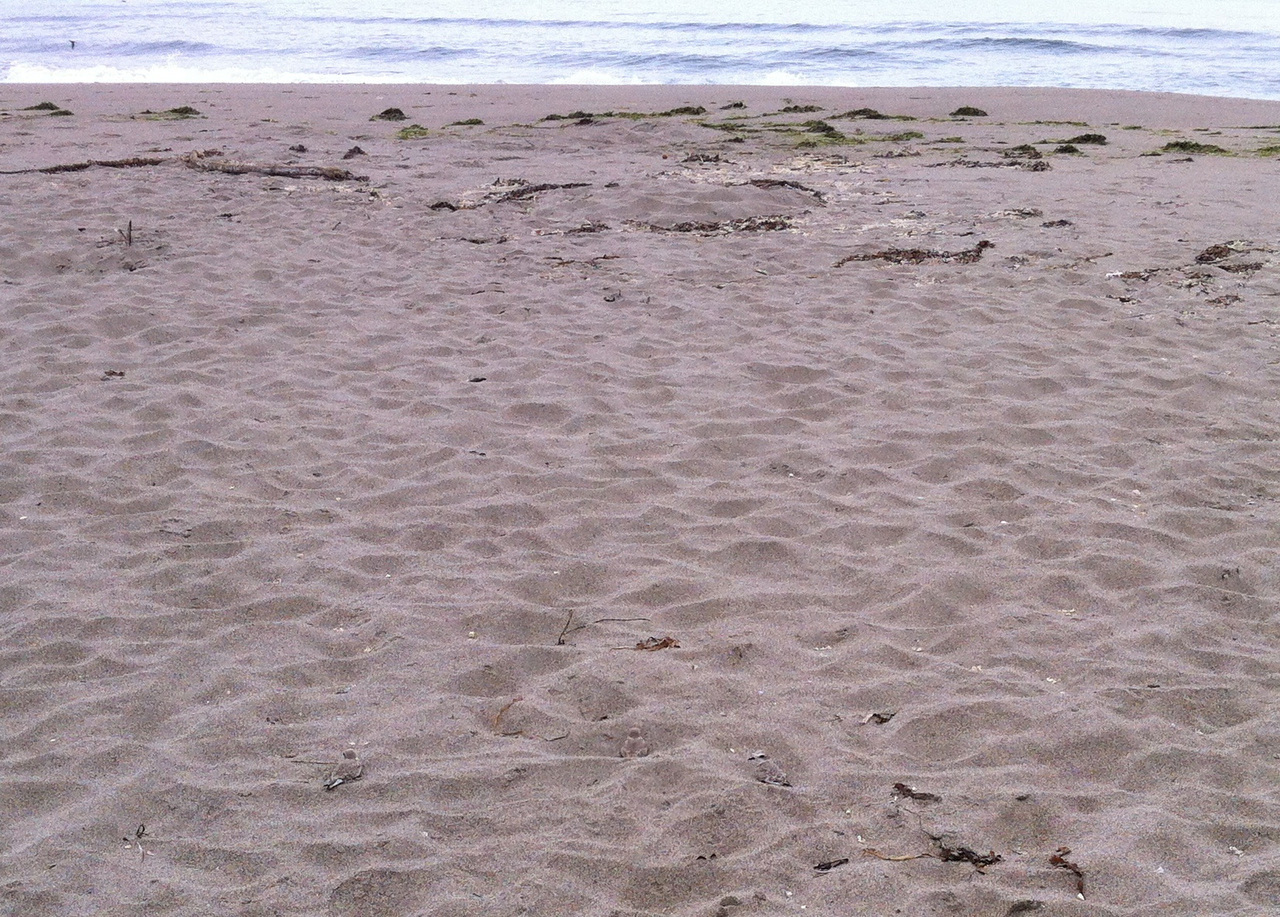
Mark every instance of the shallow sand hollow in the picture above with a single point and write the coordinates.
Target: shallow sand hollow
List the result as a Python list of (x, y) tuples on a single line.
[(943, 459)]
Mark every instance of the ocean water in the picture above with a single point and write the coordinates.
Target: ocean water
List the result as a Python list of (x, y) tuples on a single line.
[(1211, 47)]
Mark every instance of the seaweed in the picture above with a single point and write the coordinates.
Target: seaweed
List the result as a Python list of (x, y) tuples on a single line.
[(910, 792), (469, 122), (1059, 861), (43, 106), (1191, 146), (1269, 150), (1215, 253), (412, 132), (745, 224), (81, 166), (1024, 151), (979, 861), (390, 114), (829, 865), (1028, 165), (631, 115), (526, 191), (732, 105), (869, 113), (821, 127), (921, 255), (949, 140), (202, 162), (1094, 139), (1068, 148), (651, 644), (800, 109), (785, 183), (900, 137), (181, 113), (968, 111)]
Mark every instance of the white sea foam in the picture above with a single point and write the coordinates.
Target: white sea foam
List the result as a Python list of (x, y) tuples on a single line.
[(1217, 47)]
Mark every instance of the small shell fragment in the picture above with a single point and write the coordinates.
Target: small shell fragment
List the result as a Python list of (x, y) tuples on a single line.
[(634, 745)]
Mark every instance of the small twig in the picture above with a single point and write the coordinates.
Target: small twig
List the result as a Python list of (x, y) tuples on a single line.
[(612, 620), (128, 234), (564, 630), (898, 858)]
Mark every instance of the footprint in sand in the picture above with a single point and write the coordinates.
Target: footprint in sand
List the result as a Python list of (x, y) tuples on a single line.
[(348, 769), (634, 745)]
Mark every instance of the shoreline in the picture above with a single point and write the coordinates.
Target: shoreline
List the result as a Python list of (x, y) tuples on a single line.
[(905, 478)]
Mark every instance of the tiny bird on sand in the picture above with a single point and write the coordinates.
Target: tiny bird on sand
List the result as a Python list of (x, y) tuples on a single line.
[(768, 772), (634, 746), (346, 770)]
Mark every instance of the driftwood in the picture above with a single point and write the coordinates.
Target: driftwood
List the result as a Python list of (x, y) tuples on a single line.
[(81, 166), (201, 161)]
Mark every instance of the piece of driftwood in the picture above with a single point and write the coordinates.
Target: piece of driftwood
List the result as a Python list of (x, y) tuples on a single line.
[(204, 163), (81, 166)]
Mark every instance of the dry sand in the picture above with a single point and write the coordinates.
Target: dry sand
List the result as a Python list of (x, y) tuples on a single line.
[(410, 465)]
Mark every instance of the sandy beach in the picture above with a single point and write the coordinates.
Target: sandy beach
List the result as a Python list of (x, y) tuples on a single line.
[(906, 480)]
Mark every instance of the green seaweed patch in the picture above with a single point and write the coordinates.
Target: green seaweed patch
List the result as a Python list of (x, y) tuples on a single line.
[(968, 111), (1133, 127), (1069, 148), (1270, 151), (1191, 146), (826, 134), (469, 122), (1060, 123), (949, 140), (413, 132), (44, 106), (814, 134), (800, 109), (1089, 139), (729, 127), (389, 114), (900, 137), (181, 113)]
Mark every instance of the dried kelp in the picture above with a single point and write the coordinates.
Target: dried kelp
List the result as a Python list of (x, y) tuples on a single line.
[(708, 228), (921, 255), (81, 166), (201, 161)]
